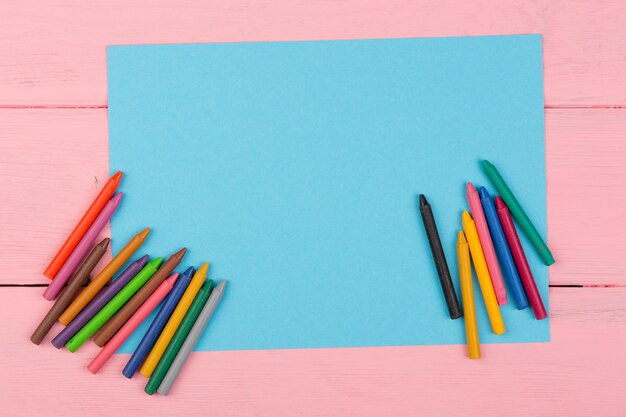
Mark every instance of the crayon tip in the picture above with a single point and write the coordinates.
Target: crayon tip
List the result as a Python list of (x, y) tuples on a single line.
[(207, 285), (144, 233), (203, 269), (500, 204), (155, 263), (466, 217), (172, 279), (486, 164), (116, 199), (189, 272), (220, 286), (104, 243), (423, 201), (484, 194), (470, 188), (117, 177), (461, 239), (180, 254), (143, 260)]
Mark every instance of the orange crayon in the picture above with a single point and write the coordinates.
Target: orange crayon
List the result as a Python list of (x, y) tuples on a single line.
[(85, 222), (103, 277)]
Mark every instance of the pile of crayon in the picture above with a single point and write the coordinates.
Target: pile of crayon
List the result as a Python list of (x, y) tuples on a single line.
[(490, 237), (110, 313)]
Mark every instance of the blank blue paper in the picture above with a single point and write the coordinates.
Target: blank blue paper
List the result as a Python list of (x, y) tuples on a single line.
[(294, 167)]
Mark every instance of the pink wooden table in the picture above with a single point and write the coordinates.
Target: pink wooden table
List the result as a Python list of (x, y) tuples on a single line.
[(53, 153)]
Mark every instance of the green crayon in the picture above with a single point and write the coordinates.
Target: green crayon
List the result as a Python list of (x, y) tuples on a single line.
[(179, 338), (518, 213), (113, 305)]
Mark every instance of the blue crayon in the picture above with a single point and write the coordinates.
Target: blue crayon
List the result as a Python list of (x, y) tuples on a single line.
[(155, 329), (502, 249)]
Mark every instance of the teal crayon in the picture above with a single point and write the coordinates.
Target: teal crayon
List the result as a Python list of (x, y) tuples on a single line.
[(518, 213), (190, 341)]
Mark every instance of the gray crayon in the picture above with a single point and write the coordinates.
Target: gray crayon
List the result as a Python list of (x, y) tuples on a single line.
[(192, 338)]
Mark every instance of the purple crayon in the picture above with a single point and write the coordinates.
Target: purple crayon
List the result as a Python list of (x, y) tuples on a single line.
[(56, 286), (103, 297)]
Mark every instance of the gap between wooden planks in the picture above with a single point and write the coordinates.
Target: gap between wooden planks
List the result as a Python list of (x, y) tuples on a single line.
[(54, 52), (581, 372)]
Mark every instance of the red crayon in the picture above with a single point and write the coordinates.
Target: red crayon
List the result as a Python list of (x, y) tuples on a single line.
[(521, 262), (83, 225)]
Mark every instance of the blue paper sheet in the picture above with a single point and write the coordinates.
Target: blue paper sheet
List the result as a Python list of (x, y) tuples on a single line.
[(294, 168)]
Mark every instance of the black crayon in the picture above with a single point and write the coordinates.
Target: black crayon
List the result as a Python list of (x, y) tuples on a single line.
[(440, 259)]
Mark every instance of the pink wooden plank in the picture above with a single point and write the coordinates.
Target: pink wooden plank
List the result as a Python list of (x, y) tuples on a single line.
[(53, 52), (580, 373), (50, 161), (52, 165), (586, 170)]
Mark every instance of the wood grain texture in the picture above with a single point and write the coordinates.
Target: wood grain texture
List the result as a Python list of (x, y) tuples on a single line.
[(53, 52), (52, 165), (581, 372), (52, 162), (586, 173)]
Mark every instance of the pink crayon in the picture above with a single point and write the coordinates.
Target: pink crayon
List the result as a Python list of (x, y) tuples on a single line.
[(525, 274), (56, 286), (140, 315), (485, 241)]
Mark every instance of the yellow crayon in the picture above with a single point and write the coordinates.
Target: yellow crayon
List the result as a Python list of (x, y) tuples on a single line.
[(467, 294), (172, 324), (486, 287)]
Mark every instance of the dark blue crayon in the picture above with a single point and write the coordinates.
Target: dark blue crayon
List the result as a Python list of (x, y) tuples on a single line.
[(502, 249), (155, 329)]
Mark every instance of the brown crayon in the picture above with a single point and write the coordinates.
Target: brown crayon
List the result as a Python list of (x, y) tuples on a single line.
[(103, 277), (117, 321), (73, 287)]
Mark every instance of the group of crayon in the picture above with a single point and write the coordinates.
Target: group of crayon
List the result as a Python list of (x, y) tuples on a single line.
[(110, 313), (490, 237)]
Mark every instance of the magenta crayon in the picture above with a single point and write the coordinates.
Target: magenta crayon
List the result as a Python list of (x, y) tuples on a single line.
[(99, 301), (80, 251), (129, 327), (83, 225), (478, 215), (530, 287)]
